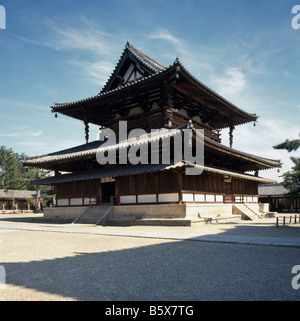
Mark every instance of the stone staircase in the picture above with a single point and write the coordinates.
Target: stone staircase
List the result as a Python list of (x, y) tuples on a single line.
[(94, 215), (249, 213)]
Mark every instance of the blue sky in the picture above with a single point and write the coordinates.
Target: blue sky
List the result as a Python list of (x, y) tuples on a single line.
[(58, 51)]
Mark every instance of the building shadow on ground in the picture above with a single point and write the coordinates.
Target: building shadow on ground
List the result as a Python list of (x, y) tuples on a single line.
[(15, 218), (171, 270)]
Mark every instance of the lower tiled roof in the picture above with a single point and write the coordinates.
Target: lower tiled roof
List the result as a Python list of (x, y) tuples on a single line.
[(91, 149), (16, 194), (272, 190), (123, 170)]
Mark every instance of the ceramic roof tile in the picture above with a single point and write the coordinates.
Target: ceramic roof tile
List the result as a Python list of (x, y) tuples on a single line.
[(272, 189)]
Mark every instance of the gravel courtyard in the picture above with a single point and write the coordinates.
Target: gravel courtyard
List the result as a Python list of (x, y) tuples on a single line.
[(61, 265)]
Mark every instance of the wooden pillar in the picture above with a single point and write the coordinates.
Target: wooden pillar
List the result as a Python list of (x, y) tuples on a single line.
[(179, 180), (231, 128), (168, 104), (99, 193), (38, 195), (87, 130), (13, 202), (117, 190), (156, 175), (38, 199)]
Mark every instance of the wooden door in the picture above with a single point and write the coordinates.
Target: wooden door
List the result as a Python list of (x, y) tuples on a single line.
[(228, 192)]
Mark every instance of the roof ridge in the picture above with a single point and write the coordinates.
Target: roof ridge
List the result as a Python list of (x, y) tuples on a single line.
[(139, 54), (144, 59)]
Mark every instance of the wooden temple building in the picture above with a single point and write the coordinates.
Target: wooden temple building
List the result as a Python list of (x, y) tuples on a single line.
[(148, 95), (16, 200), (277, 196)]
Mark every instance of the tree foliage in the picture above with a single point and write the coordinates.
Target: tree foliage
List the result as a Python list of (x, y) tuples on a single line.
[(289, 145), (12, 173), (292, 178)]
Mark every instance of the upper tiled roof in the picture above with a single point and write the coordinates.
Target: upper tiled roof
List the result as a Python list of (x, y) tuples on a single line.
[(152, 72)]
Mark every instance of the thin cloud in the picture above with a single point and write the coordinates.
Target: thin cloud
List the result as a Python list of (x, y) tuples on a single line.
[(164, 34), (22, 134), (21, 128), (4, 103), (232, 83), (179, 47), (199, 59), (9, 135), (89, 40), (98, 72), (85, 36), (35, 147)]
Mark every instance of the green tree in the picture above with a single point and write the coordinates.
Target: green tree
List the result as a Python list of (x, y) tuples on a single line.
[(13, 175), (292, 178), (289, 145)]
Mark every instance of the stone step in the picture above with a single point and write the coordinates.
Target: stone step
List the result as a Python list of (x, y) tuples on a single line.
[(98, 210), (87, 220), (93, 215), (132, 220), (248, 213)]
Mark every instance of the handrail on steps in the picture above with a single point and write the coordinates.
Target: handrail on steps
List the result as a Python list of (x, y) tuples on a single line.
[(103, 218), (79, 217)]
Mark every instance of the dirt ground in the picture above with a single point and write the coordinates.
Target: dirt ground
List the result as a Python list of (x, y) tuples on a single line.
[(66, 264)]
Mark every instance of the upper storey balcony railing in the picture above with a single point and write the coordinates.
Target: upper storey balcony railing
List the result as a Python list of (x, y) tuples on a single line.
[(179, 120), (156, 121)]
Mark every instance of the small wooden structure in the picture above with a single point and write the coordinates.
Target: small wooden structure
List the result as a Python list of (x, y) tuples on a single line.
[(17, 200), (277, 196)]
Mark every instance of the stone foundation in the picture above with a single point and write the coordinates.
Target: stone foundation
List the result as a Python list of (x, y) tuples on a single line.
[(203, 210), (63, 213), (151, 211), (187, 211)]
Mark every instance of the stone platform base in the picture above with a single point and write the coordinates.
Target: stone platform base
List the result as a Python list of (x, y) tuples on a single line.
[(154, 214)]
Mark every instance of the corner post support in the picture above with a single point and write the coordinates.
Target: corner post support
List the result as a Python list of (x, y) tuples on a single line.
[(231, 128)]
